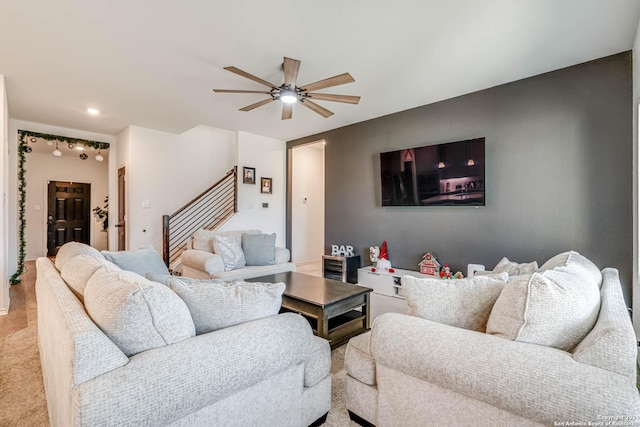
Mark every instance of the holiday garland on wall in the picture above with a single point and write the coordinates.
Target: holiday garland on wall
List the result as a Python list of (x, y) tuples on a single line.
[(23, 148)]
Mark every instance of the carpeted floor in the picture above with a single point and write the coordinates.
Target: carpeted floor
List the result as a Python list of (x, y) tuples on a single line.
[(22, 401)]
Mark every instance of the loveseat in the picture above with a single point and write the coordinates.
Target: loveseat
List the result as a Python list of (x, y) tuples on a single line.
[(118, 349), (551, 347), (234, 259)]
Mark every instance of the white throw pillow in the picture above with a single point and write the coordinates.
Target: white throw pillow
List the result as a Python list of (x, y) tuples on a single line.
[(214, 305), (463, 303), (514, 268), (555, 308), (230, 249), (78, 270), (135, 313), (71, 249)]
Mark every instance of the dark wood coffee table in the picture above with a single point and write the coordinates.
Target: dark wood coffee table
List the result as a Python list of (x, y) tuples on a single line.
[(336, 311)]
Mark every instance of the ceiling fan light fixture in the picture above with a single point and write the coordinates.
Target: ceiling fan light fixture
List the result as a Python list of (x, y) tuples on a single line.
[(288, 96)]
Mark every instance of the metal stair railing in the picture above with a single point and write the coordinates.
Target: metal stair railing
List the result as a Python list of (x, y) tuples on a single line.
[(209, 210)]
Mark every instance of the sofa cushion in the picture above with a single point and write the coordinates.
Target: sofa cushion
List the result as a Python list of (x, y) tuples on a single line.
[(463, 303), (214, 305), (577, 264), (71, 249), (259, 249), (78, 270), (358, 361), (203, 239), (135, 313), (140, 261), (555, 308), (229, 248)]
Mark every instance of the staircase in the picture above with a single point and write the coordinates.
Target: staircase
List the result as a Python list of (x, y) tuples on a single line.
[(209, 210)]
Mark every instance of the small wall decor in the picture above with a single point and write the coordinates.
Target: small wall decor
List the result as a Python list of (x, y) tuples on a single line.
[(248, 175), (265, 185), (342, 250), (430, 265)]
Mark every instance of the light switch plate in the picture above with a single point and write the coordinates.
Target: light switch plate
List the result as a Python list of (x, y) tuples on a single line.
[(146, 204)]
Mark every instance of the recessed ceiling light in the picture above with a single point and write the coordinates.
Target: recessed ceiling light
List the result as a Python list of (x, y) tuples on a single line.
[(93, 111)]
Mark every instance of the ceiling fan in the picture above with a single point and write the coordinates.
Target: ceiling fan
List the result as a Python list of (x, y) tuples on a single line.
[(288, 93)]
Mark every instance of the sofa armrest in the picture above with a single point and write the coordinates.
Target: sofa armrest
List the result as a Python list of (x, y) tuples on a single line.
[(540, 383), (162, 385), (282, 255), (202, 261)]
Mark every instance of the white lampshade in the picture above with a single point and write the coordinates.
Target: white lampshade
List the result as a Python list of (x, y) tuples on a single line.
[(470, 162), (99, 158), (57, 153)]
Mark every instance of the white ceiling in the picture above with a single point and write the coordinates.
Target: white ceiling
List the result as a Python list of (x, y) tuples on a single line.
[(154, 63)]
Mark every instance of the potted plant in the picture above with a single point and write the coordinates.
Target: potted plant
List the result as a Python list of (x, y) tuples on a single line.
[(103, 213)]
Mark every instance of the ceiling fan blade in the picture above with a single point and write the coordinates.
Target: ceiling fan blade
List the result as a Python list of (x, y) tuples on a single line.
[(348, 99), (257, 104), (291, 68), (249, 76), (239, 91), (331, 81), (287, 111), (318, 109)]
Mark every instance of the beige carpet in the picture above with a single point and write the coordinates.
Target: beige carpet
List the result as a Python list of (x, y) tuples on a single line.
[(22, 401)]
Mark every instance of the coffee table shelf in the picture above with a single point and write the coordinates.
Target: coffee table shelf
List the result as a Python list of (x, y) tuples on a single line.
[(335, 310)]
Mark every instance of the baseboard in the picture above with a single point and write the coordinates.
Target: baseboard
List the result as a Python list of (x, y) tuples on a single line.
[(4, 311)]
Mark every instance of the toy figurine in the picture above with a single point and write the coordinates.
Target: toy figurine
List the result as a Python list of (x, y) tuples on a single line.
[(374, 254), (383, 262), (429, 265), (446, 272), (458, 275)]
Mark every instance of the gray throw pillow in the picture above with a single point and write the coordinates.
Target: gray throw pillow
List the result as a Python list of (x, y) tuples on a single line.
[(259, 249), (215, 305), (140, 261)]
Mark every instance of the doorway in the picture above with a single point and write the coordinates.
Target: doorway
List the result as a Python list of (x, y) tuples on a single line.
[(307, 202), (68, 214), (121, 225)]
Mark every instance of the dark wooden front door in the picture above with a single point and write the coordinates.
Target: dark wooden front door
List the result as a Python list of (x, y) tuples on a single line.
[(68, 214)]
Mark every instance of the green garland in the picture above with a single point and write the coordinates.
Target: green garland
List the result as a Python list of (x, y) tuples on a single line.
[(22, 183)]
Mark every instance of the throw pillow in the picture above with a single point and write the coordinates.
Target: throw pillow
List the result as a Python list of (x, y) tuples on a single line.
[(215, 305), (463, 303), (135, 313), (78, 270), (203, 239), (228, 247), (578, 264), (556, 308), (259, 249), (514, 268), (71, 249), (140, 261)]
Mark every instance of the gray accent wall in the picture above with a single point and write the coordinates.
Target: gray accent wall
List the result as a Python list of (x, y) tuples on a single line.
[(558, 174)]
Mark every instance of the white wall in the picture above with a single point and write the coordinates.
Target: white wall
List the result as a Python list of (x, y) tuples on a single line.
[(42, 168), (307, 203), (636, 183), (169, 170), (5, 271), (268, 157), (12, 139)]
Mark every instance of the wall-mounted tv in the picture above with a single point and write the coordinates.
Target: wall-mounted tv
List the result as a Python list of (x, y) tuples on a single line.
[(450, 174)]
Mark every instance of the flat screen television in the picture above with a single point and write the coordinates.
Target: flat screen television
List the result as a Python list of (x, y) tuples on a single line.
[(450, 174)]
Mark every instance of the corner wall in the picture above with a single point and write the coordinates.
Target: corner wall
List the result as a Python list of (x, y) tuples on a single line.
[(5, 271), (559, 150), (267, 156), (636, 183)]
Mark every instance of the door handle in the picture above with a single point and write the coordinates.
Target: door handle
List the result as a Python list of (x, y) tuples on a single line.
[(50, 220)]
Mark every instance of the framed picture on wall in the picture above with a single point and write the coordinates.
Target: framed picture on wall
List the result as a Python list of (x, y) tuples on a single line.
[(248, 175), (265, 185)]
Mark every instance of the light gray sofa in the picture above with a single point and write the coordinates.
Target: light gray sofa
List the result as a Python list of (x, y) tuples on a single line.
[(268, 372), (411, 371), (200, 261)]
